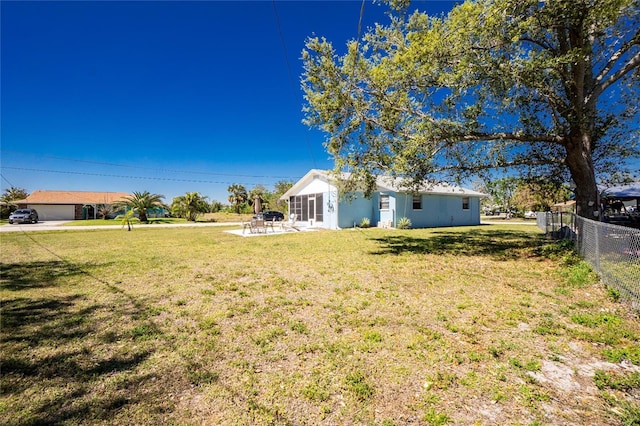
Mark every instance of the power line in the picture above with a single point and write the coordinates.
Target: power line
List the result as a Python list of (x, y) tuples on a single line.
[(355, 62), (101, 163), (291, 81), (127, 177), (7, 180)]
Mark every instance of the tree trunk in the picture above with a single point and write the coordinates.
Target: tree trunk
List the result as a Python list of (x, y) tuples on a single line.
[(580, 164), (143, 217)]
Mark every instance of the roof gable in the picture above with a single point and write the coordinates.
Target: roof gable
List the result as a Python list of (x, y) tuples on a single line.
[(304, 181)]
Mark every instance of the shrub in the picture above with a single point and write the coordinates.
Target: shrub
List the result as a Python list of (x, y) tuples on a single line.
[(365, 222), (404, 223)]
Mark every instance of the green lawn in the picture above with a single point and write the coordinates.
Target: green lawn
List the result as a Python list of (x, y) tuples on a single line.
[(485, 325), (118, 222), (207, 217)]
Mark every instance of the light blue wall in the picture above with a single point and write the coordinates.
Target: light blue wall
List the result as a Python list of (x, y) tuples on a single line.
[(438, 210), (352, 211)]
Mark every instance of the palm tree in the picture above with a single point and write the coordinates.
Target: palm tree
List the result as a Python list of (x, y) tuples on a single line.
[(105, 210), (189, 206), (126, 219), (237, 196), (142, 202)]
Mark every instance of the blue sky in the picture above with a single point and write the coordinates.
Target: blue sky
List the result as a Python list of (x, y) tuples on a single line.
[(169, 97)]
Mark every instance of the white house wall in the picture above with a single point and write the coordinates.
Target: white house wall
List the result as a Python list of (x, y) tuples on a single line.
[(330, 209), (316, 186), (329, 199)]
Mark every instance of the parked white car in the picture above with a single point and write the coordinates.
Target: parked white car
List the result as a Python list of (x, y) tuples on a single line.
[(530, 214)]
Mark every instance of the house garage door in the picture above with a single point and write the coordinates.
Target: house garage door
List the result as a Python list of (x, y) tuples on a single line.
[(52, 212)]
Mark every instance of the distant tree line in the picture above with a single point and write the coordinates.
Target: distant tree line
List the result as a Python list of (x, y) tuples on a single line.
[(190, 206), (8, 198), (243, 201), (518, 195)]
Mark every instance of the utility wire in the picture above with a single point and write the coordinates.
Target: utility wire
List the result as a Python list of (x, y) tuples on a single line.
[(355, 62), (127, 177), (149, 168), (291, 80), (7, 180)]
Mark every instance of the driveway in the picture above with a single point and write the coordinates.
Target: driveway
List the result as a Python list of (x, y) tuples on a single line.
[(43, 225)]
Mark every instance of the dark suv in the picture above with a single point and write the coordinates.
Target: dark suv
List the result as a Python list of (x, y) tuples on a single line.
[(270, 215), (24, 216)]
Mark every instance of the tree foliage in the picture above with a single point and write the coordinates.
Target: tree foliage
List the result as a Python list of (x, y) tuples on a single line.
[(14, 193), (190, 206), (7, 199), (237, 196), (141, 203), (543, 88), (540, 194), (512, 194), (502, 192), (280, 188), (215, 206)]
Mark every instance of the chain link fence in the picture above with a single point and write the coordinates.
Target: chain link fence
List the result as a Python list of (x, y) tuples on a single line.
[(612, 250)]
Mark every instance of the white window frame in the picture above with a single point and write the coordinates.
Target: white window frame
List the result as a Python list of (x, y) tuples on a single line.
[(466, 204), (388, 201), (417, 198)]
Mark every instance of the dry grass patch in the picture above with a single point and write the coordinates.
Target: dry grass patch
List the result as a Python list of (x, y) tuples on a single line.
[(485, 325)]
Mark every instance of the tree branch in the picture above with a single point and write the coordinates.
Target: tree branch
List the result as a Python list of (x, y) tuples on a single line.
[(605, 83), (516, 137)]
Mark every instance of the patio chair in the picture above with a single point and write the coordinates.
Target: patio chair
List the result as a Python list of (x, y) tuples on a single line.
[(269, 224), (255, 226), (290, 225), (258, 226)]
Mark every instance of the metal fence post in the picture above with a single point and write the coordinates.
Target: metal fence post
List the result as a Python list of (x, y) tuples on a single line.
[(597, 249)]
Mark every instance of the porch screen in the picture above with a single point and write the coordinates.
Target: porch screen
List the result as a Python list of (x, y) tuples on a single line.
[(306, 207)]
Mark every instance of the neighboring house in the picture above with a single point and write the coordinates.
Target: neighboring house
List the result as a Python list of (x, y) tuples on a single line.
[(314, 199), (69, 205)]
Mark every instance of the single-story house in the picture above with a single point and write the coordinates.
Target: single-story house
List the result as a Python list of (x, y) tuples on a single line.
[(69, 205), (315, 199)]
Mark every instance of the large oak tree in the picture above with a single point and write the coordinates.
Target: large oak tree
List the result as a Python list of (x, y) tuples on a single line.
[(548, 88)]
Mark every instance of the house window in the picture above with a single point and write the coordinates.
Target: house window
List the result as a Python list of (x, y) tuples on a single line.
[(417, 202), (384, 202), (465, 203)]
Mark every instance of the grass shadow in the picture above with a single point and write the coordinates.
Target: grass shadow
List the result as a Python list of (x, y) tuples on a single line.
[(37, 274), (52, 346), (503, 244), (34, 320), (57, 348)]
